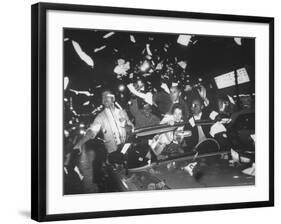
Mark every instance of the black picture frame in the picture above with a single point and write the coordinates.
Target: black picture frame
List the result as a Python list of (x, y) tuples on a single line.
[(39, 110)]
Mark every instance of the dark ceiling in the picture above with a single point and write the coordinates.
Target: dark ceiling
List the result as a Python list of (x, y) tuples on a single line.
[(206, 56)]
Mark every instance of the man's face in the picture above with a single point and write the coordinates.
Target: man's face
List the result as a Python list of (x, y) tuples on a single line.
[(174, 93), (146, 110), (196, 107), (177, 115), (107, 99)]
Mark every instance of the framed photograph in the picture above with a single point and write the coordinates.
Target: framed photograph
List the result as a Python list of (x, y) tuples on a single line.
[(138, 111)]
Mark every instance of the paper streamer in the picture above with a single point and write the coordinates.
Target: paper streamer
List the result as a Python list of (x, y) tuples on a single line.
[(99, 48), (86, 103), (108, 35), (86, 58), (132, 38), (148, 49), (87, 93)]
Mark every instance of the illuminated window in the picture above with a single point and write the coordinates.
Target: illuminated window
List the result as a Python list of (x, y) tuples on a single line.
[(228, 79)]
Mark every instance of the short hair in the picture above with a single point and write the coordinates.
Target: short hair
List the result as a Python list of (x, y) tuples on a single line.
[(109, 91), (106, 90), (176, 106)]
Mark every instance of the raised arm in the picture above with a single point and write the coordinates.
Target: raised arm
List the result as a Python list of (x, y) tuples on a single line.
[(146, 96)]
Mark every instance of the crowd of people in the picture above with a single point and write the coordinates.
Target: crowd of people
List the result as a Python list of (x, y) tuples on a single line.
[(171, 106), (146, 109)]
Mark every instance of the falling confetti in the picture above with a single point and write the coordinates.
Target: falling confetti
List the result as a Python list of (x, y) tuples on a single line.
[(238, 41), (253, 137), (86, 58), (148, 49), (81, 92), (100, 48), (148, 57), (66, 39), (182, 64), (108, 35), (165, 87), (65, 82), (86, 103), (145, 66), (159, 66), (132, 38), (184, 39), (66, 133), (194, 42), (122, 67)]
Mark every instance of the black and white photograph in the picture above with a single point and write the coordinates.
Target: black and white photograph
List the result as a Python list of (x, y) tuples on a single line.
[(146, 111)]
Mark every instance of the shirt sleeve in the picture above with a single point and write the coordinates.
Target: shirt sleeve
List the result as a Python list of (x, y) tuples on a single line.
[(95, 127), (146, 96)]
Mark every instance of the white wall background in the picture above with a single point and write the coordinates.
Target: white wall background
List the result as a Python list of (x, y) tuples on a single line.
[(15, 110)]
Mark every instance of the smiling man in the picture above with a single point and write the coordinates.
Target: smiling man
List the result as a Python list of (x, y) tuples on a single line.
[(111, 121)]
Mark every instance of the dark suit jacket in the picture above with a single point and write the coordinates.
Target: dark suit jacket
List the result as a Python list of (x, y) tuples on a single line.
[(193, 140)]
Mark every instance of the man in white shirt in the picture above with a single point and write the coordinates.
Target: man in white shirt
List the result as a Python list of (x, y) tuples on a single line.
[(111, 121)]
